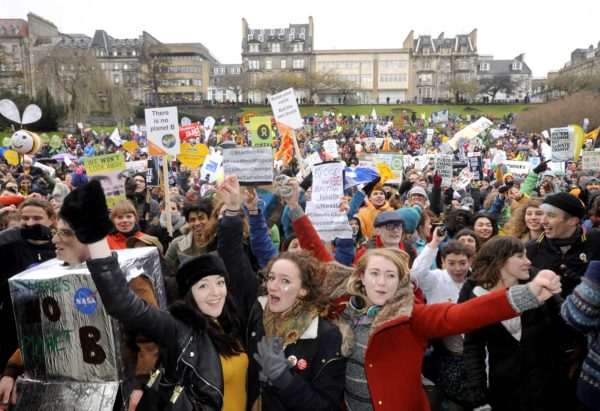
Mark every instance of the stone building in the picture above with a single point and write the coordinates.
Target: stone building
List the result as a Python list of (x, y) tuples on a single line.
[(515, 70), (583, 62), (14, 56)]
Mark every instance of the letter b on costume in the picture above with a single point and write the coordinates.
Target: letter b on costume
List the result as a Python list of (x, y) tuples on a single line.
[(93, 353)]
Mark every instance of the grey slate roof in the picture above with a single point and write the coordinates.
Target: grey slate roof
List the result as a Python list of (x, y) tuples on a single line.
[(499, 67), (455, 43)]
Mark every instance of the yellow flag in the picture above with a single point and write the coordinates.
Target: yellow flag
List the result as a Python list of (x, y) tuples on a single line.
[(592, 134)]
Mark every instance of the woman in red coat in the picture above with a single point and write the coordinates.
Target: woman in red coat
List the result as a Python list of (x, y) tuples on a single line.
[(124, 217), (392, 328)]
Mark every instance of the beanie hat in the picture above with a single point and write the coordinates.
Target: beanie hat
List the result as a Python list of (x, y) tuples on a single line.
[(505, 176), (60, 192), (568, 203), (411, 217), (195, 269), (417, 190), (467, 204)]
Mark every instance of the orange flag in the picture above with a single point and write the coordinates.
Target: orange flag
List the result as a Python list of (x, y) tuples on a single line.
[(286, 149)]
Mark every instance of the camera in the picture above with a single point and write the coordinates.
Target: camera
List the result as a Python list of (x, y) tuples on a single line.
[(441, 231)]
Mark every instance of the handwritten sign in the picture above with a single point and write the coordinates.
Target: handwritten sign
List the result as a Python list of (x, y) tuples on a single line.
[(590, 160), (285, 109), (331, 148), (443, 166), (327, 189), (518, 167)]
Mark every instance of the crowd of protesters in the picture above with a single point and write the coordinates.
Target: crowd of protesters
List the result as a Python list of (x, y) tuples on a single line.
[(480, 295)]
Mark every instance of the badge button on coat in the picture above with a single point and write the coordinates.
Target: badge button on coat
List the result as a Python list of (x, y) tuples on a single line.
[(302, 364)]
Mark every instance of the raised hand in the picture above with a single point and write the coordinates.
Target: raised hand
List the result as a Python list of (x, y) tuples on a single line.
[(251, 199), (231, 192), (545, 284)]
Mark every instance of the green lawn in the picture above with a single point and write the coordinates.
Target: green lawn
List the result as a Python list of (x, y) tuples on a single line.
[(498, 110)]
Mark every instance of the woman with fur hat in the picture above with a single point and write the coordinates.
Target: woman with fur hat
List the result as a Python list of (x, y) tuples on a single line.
[(279, 347)]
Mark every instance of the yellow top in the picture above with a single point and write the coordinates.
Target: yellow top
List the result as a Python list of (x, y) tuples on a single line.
[(234, 382)]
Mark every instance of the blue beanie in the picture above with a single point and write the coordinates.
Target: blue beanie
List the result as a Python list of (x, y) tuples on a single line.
[(411, 217)]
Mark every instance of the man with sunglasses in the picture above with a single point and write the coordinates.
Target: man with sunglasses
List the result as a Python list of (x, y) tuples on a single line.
[(388, 234)]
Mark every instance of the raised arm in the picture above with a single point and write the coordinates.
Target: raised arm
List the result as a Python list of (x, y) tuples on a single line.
[(260, 241), (581, 310)]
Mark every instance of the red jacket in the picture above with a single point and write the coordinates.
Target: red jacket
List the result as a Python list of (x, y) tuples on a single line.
[(395, 350), (116, 241)]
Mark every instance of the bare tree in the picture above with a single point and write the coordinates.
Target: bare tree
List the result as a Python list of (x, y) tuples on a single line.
[(317, 82), (493, 85), (570, 84), (77, 80), (278, 82), (155, 66), (239, 84), (461, 88)]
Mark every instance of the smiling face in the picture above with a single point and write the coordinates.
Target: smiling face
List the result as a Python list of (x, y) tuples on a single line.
[(516, 268), (557, 223), (284, 285), (124, 222), (68, 248), (533, 218), (483, 228), (380, 279), (390, 234), (197, 221), (209, 294), (377, 198)]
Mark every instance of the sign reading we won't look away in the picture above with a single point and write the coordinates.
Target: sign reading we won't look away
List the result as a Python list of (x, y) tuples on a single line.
[(327, 189)]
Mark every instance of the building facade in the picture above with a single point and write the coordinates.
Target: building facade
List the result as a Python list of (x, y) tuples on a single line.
[(515, 70), (14, 56), (583, 62), (375, 76), (267, 53), (435, 62), (227, 84)]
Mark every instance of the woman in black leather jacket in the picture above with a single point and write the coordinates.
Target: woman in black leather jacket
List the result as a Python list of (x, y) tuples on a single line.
[(296, 363)]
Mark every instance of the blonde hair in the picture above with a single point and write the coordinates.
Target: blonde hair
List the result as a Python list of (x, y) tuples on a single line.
[(398, 257), (122, 207)]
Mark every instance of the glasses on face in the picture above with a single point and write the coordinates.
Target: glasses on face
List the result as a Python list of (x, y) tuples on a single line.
[(397, 226), (64, 233)]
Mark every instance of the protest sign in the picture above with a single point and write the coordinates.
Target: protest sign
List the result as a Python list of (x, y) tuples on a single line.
[(163, 131), (109, 169), (475, 165), (189, 131), (590, 160), (211, 165), (534, 161), (397, 166), (327, 189), (464, 179), (115, 138), (422, 161), (331, 148), (50, 170), (499, 157), (252, 165), (562, 141), (443, 166), (466, 134), (439, 116), (518, 167), (261, 131), (192, 156), (311, 160), (285, 109), (137, 166)]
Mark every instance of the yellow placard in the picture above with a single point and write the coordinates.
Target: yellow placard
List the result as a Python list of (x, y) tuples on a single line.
[(193, 156), (130, 146), (12, 157)]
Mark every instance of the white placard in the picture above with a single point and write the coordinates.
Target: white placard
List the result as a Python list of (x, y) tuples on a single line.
[(590, 160), (517, 167), (327, 189), (163, 131), (331, 148), (211, 166), (136, 166), (562, 141), (285, 109), (443, 166), (252, 165)]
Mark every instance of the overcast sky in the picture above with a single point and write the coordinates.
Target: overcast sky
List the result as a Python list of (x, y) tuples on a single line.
[(547, 32)]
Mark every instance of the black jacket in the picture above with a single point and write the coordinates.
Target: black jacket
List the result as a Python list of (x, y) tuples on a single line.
[(523, 375), (317, 387), (16, 255), (571, 265)]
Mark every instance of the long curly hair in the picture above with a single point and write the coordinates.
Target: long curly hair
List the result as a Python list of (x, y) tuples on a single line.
[(516, 225), (491, 257), (311, 276)]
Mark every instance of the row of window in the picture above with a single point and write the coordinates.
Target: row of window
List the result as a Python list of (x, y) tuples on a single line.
[(393, 77), (185, 57), (181, 69), (445, 50), (272, 32), (291, 37), (181, 82), (130, 80), (444, 65), (122, 52), (275, 47), (255, 64), (115, 66), (363, 65), (14, 30), (444, 78), (393, 64), (223, 70)]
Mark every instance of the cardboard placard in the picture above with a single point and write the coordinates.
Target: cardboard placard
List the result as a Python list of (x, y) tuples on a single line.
[(562, 141), (110, 170), (163, 131), (443, 166)]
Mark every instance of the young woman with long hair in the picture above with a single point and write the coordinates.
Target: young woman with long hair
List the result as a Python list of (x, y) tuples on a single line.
[(523, 352), (277, 352), (526, 221)]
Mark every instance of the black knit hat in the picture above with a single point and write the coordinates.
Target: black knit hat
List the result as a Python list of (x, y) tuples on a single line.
[(196, 268), (568, 203)]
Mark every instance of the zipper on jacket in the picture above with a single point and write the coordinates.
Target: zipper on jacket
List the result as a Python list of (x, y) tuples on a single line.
[(205, 381), (323, 367), (188, 342)]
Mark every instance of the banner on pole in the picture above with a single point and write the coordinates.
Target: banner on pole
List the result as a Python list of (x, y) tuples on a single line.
[(252, 165)]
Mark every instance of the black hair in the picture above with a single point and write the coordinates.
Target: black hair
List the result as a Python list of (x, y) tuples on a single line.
[(223, 332), (200, 206), (492, 220), (468, 232), (359, 234), (286, 244)]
